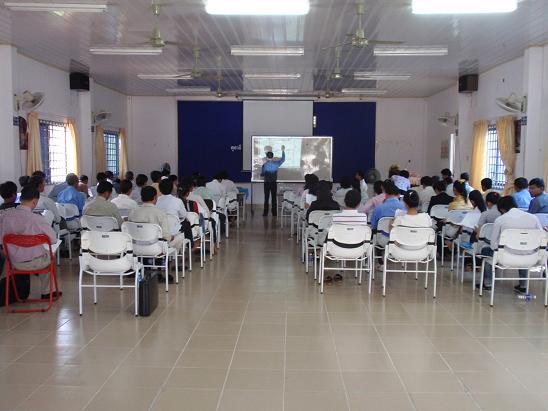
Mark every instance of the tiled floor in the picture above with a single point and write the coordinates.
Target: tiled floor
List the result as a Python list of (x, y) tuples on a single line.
[(252, 332)]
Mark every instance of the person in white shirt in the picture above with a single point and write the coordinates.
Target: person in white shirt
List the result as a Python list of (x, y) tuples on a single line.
[(426, 193), (350, 214), (511, 217), (345, 187), (217, 188), (412, 218), (360, 176), (168, 202), (124, 201), (466, 178), (229, 185), (44, 203), (140, 181), (402, 181)]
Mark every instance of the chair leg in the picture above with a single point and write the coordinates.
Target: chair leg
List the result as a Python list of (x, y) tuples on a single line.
[(305, 245), (121, 282), (493, 286), (546, 286), (166, 270), (322, 272), (481, 277), (177, 265), (80, 309), (442, 249), (94, 289), (473, 271), (384, 275), (452, 254), (371, 263), (136, 293), (435, 277)]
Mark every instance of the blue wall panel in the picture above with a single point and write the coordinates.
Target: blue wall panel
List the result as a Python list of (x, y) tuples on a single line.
[(352, 126), (208, 132)]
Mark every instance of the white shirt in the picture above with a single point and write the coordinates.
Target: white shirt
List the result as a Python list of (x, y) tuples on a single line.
[(340, 194), (471, 219), (350, 217), (420, 220), (425, 195), (363, 191), (124, 202), (449, 190), (229, 186), (202, 206), (402, 183), (217, 189), (46, 203), (309, 199), (515, 218), (136, 194), (171, 205)]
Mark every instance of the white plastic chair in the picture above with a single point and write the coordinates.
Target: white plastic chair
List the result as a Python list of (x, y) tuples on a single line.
[(474, 251), (380, 240), (449, 232), (233, 207), (410, 245), (214, 216), (70, 213), (543, 218), (108, 255), (439, 212), (94, 223), (518, 250), (222, 210), (149, 244), (347, 243), (197, 235), (287, 204), (175, 225), (319, 222)]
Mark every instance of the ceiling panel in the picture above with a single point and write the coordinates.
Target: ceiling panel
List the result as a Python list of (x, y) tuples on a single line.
[(476, 43)]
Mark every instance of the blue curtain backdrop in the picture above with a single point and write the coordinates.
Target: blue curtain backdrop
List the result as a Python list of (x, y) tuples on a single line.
[(352, 126), (210, 138)]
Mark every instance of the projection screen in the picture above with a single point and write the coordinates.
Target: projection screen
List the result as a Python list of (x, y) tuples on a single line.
[(303, 155)]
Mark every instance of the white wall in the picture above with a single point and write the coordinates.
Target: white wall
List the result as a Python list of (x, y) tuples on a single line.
[(106, 99), (152, 133)]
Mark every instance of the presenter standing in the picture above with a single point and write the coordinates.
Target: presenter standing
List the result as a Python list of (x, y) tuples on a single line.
[(269, 173)]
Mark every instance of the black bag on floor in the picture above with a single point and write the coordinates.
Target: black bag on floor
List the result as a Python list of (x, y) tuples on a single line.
[(22, 282), (148, 294)]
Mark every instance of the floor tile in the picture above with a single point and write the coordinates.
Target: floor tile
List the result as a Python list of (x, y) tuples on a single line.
[(176, 399), (246, 400)]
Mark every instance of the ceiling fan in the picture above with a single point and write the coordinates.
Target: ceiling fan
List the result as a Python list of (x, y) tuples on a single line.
[(358, 39)]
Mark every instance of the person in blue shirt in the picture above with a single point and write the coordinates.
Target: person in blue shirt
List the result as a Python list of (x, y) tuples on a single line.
[(390, 205), (522, 196), (269, 172), (71, 195), (539, 204)]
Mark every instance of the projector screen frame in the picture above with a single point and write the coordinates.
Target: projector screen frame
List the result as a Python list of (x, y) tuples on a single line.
[(253, 137)]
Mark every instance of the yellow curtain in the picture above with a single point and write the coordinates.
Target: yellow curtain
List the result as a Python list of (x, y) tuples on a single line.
[(507, 146), (479, 150), (75, 146), (99, 149), (124, 167), (34, 156)]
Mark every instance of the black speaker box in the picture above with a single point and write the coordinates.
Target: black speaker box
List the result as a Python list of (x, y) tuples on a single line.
[(468, 83), (79, 81)]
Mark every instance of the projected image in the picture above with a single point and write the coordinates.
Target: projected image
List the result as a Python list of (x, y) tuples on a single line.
[(303, 155)]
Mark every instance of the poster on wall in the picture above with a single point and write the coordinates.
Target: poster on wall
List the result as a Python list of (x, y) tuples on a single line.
[(23, 134), (444, 154)]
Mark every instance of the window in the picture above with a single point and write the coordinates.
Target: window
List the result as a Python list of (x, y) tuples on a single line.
[(495, 166), (57, 151), (112, 151)]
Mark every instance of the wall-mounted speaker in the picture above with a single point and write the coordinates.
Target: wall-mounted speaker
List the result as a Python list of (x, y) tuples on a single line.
[(79, 81), (468, 83)]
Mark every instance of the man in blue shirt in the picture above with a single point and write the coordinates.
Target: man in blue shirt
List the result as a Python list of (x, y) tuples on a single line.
[(522, 196), (390, 205), (269, 173), (71, 195), (539, 204)]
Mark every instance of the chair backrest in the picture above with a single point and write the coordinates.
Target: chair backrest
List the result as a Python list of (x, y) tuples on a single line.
[(95, 223), (456, 216), (384, 224), (484, 237), (124, 212), (348, 242), (289, 196), (543, 218), (49, 216), (143, 232), (25, 241), (439, 211), (68, 211), (232, 200), (174, 223), (315, 216), (412, 244), (521, 248), (106, 243), (194, 220)]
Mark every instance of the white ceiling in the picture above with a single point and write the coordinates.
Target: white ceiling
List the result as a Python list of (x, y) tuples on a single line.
[(476, 43)]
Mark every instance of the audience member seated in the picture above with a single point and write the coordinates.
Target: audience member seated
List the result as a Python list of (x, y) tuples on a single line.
[(539, 203), (188, 194), (476, 201), (441, 197), (460, 202), (376, 200), (155, 177), (83, 185), (71, 195), (465, 178), (23, 221), (426, 193), (402, 181), (56, 189), (511, 217), (8, 192), (113, 180), (345, 187), (23, 181), (487, 186), (309, 193), (447, 176), (216, 187), (44, 203), (201, 189), (124, 201), (394, 170), (360, 176), (390, 205), (350, 214), (129, 176), (521, 193), (492, 213), (324, 199), (101, 176), (413, 218), (172, 205), (100, 206), (141, 181), (228, 184)]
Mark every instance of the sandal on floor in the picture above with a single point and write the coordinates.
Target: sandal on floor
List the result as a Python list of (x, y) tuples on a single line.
[(338, 277), (328, 280)]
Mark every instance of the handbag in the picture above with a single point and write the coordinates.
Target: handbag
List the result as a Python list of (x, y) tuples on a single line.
[(148, 294)]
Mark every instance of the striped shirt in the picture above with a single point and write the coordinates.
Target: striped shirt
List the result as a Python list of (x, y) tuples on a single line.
[(350, 217)]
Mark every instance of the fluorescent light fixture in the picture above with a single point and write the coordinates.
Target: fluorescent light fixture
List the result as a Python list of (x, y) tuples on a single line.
[(258, 7), (266, 51), (189, 90), (411, 51), (373, 75), (463, 6), (67, 7), (272, 76), (277, 91), (364, 91), (181, 76), (125, 51)]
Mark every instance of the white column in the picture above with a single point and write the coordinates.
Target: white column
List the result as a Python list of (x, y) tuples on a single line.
[(83, 121), (9, 153)]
